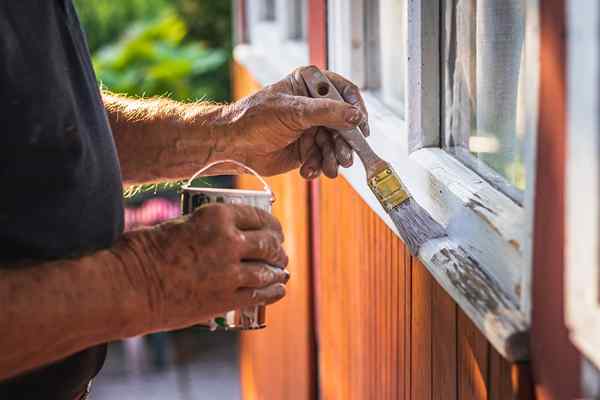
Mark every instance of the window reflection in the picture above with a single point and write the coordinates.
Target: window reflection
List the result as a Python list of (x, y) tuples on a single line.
[(483, 65)]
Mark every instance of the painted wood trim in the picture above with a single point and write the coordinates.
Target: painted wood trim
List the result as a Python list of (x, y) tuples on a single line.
[(240, 34), (270, 54), (423, 70), (347, 39), (582, 280), (317, 47), (317, 32), (481, 221), (479, 295), (555, 360)]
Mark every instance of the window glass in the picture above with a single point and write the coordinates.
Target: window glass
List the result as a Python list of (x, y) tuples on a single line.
[(392, 25), (298, 21), (268, 10), (483, 103)]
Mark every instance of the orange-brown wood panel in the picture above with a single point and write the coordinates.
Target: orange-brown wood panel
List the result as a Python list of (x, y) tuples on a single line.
[(444, 328), (361, 312), (472, 356), (421, 332), (387, 329), (279, 361), (500, 378)]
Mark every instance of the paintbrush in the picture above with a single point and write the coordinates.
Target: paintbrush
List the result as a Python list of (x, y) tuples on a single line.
[(414, 224)]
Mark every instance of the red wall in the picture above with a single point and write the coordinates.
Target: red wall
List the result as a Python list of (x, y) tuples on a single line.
[(555, 361)]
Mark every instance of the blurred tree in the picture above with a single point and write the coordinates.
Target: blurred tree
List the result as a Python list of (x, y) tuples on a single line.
[(105, 20), (208, 21), (151, 58)]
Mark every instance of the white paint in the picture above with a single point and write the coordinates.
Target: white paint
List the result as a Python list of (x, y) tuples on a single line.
[(582, 278), (423, 73), (482, 222)]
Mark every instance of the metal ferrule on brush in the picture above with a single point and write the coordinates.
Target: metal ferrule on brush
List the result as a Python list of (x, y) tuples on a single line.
[(388, 189)]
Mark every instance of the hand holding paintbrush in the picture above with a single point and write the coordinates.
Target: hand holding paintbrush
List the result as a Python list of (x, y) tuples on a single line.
[(414, 224)]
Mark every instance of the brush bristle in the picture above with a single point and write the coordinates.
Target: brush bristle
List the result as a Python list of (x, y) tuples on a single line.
[(415, 225)]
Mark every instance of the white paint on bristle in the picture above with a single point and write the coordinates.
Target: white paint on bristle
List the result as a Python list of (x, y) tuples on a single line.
[(415, 225)]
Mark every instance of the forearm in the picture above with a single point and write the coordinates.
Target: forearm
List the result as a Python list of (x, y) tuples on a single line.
[(55, 309), (159, 139)]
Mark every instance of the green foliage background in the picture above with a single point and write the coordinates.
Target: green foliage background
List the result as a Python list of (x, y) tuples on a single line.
[(177, 48)]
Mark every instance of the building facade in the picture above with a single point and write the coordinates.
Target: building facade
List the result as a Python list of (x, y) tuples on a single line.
[(487, 109)]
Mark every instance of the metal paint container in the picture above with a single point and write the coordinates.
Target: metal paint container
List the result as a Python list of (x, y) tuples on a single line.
[(194, 197)]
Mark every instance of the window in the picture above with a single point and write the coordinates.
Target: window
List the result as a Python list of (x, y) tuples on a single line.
[(582, 289), (483, 77), (451, 88), (371, 48), (277, 38)]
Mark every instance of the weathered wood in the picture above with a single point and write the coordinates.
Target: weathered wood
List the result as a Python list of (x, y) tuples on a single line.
[(472, 353), (494, 312), (423, 107)]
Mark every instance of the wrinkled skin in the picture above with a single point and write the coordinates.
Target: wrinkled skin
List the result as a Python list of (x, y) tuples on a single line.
[(219, 258), (280, 128), (182, 272)]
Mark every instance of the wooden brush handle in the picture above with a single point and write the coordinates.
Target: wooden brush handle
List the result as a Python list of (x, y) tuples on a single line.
[(320, 87)]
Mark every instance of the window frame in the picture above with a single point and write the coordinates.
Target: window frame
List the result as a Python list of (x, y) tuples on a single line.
[(279, 50), (489, 235), (582, 213)]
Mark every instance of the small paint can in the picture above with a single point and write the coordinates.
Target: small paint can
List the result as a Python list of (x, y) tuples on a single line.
[(193, 197)]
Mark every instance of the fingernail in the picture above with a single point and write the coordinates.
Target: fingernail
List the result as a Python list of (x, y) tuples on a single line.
[(346, 156), (353, 115), (287, 276), (310, 172)]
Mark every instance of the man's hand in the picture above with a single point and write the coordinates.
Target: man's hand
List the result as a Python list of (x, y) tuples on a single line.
[(280, 128), (274, 130), (220, 258)]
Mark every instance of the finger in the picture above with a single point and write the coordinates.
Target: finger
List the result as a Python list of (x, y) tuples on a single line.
[(343, 151), (253, 218), (330, 163), (311, 168), (264, 246), (259, 275), (307, 112), (351, 94), (266, 295)]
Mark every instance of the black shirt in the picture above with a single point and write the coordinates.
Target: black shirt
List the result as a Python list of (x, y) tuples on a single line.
[(60, 181)]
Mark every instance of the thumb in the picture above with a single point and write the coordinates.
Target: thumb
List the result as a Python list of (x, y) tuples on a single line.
[(334, 114)]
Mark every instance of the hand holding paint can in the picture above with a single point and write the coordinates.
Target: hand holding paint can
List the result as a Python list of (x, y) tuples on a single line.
[(245, 318)]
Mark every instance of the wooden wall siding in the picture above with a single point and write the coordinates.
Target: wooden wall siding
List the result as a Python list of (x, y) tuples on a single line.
[(387, 330), (279, 361)]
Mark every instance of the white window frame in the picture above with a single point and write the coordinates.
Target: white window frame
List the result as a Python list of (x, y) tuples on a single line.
[(274, 48), (485, 261), (582, 257)]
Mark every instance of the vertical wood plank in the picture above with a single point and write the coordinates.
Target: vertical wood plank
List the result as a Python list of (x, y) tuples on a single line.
[(500, 381), (266, 355), (407, 295), (444, 361), (421, 332), (472, 355)]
